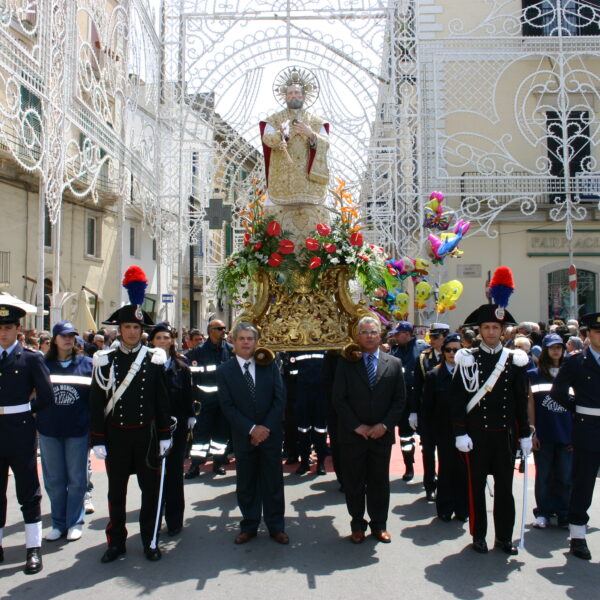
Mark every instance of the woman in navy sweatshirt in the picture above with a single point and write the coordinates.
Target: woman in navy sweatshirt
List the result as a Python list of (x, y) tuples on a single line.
[(64, 433)]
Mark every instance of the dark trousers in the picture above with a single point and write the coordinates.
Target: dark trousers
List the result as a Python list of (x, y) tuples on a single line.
[(407, 441), (173, 498), (127, 452), (366, 475), (332, 428), (428, 443), (290, 430), (259, 484), (211, 433), (311, 419), (27, 484), (492, 454), (553, 466), (585, 471), (452, 491)]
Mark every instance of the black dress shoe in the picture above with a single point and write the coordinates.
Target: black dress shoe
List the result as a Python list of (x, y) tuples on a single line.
[(480, 546), (291, 460), (461, 518), (153, 554), (445, 518), (579, 548), (408, 474), (112, 553), (192, 472), (33, 563), (174, 531), (303, 468), (321, 470), (506, 547), (219, 470), (430, 496)]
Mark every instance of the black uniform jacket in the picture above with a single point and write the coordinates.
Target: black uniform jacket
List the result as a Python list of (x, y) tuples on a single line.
[(22, 372), (144, 402), (504, 408), (357, 404), (581, 372), (436, 407), (179, 385)]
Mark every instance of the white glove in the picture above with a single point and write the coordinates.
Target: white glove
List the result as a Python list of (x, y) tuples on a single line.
[(464, 443), (100, 452), (191, 422), (526, 446), (164, 446), (413, 421)]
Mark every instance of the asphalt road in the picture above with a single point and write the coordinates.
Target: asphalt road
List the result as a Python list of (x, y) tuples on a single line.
[(426, 559)]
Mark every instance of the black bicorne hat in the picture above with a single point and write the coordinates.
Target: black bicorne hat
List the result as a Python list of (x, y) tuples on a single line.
[(490, 313), (130, 313)]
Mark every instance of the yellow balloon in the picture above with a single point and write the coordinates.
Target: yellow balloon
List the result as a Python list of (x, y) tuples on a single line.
[(423, 292)]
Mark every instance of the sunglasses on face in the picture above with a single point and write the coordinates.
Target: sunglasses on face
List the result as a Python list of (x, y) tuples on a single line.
[(218, 328), (451, 350)]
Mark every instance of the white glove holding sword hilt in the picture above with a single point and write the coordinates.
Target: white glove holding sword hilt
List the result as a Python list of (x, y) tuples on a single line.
[(464, 443)]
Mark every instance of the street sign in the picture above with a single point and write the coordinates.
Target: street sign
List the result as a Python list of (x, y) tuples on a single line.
[(167, 298)]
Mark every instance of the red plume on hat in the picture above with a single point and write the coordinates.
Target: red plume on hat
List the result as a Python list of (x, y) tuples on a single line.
[(502, 286), (135, 282)]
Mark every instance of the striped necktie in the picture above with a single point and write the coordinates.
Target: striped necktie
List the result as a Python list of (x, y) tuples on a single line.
[(371, 370), (248, 378)]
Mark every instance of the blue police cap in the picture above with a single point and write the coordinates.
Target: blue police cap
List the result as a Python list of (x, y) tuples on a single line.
[(402, 326), (552, 339), (64, 328)]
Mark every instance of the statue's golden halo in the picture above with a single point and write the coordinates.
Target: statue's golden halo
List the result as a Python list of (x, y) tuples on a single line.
[(296, 76)]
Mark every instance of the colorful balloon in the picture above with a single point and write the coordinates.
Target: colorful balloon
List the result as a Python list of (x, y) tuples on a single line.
[(423, 292), (449, 294), (403, 302)]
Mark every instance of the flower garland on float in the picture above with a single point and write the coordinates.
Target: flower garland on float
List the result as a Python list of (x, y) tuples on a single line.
[(266, 246)]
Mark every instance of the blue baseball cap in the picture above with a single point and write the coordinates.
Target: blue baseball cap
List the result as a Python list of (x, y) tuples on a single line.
[(552, 339), (402, 326), (63, 328)]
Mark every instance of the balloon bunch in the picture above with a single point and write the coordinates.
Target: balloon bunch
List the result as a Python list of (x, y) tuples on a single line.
[(416, 268), (435, 217)]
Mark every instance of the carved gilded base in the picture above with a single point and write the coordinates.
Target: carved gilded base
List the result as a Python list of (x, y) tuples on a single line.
[(305, 319)]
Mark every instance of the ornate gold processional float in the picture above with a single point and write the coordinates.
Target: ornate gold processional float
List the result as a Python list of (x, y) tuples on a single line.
[(292, 277), (302, 249)]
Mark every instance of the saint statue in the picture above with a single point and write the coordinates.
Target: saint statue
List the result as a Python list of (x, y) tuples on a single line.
[(295, 144)]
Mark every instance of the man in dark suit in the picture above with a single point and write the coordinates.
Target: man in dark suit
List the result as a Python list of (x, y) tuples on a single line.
[(21, 372), (252, 398), (582, 373), (369, 396)]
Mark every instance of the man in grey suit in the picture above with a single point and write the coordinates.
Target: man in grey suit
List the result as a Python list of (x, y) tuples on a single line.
[(252, 398), (369, 396)]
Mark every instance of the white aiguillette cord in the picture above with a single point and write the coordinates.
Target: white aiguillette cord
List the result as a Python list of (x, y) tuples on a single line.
[(133, 370)]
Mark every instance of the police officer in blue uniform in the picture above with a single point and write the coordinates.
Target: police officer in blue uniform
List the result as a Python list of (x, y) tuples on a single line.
[(581, 372), (212, 431), (310, 409), (130, 425), (22, 372)]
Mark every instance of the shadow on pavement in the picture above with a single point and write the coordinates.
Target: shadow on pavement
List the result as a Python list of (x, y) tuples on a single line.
[(466, 575), (579, 576)]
